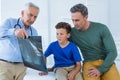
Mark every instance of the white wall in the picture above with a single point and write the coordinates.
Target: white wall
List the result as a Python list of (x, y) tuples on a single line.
[(54, 11), (115, 17), (115, 24), (0, 11)]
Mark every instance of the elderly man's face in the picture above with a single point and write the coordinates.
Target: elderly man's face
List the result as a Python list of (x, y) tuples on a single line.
[(29, 16)]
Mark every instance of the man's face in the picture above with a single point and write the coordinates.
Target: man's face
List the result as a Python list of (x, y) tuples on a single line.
[(79, 20), (29, 16)]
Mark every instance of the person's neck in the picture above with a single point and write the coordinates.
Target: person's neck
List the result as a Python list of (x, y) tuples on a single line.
[(64, 44), (26, 27), (86, 26)]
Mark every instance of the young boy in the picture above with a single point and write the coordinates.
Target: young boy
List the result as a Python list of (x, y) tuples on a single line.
[(66, 55)]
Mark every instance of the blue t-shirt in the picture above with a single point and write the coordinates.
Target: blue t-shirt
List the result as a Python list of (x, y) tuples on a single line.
[(63, 57)]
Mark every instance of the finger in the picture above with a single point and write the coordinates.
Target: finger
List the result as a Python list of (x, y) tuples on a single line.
[(68, 77), (50, 69), (22, 35), (17, 32), (92, 74), (42, 73), (25, 34), (90, 71), (91, 68)]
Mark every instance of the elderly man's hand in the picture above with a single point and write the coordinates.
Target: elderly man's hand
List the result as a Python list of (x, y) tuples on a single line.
[(21, 33)]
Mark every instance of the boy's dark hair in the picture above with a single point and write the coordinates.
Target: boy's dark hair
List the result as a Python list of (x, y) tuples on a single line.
[(64, 25), (79, 8)]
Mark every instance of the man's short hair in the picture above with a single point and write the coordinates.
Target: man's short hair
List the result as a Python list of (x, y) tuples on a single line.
[(79, 8)]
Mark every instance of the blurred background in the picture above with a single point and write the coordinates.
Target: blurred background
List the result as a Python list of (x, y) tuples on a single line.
[(54, 11)]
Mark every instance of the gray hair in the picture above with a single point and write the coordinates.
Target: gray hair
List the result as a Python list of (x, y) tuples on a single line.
[(30, 4), (79, 8)]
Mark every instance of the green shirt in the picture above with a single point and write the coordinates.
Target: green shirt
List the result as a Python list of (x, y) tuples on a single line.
[(96, 43)]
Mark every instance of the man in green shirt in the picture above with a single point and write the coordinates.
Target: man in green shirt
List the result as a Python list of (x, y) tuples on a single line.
[(96, 44)]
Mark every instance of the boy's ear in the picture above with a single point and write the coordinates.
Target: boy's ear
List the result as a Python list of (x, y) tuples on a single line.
[(68, 35)]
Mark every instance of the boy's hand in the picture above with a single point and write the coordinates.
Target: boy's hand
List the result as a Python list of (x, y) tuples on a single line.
[(43, 73), (50, 69)]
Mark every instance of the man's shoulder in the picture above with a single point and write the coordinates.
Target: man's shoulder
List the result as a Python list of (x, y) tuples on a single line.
[(98, 24), (100, 27), (10, 19)]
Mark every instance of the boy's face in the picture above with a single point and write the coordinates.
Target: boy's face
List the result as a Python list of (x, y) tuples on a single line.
[(62, 35)]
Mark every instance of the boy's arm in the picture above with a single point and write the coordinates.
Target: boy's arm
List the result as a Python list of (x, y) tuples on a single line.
[(73, 73)]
